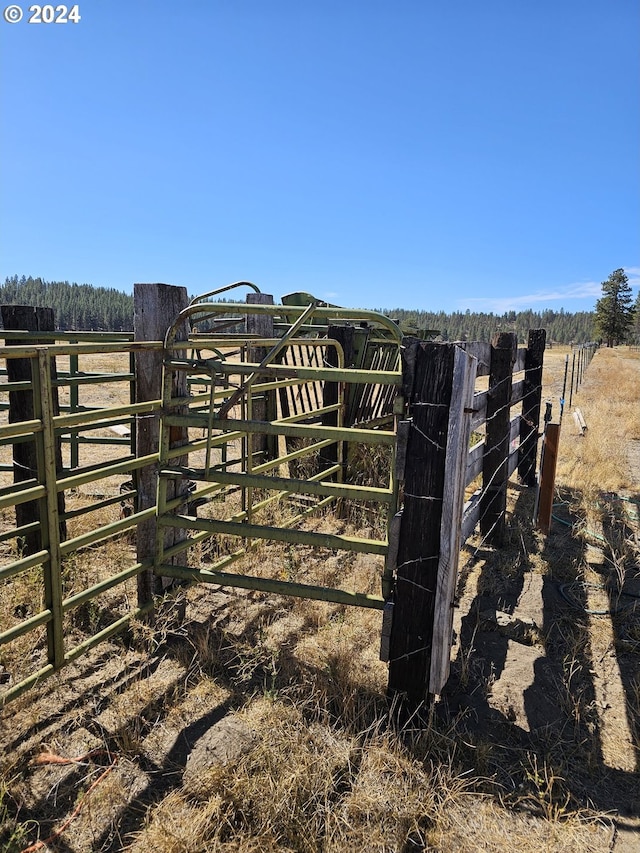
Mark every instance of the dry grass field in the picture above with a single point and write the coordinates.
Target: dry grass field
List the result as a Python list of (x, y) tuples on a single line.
[(260, 723)]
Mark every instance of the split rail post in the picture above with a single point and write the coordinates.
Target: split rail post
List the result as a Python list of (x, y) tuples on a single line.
[(438, 385), (495, 467), (345, 336), (263, 407), (155, 308), (531, 402), (21, 408)]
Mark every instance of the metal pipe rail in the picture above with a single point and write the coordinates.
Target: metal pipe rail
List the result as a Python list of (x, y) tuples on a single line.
[(211, 413), (48, 566)]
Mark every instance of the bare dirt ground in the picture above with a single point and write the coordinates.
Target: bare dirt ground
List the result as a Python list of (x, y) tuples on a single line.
[(260, 723)]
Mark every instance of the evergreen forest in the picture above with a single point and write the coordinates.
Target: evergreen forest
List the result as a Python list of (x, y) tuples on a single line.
[(84, 307)]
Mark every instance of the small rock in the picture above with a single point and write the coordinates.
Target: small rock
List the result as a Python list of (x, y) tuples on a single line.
[(223, 743), (514, 628)]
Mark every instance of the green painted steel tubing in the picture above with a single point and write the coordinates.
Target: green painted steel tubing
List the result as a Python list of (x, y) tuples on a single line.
[(295, 537), (72, 337), (20, 439), (330, 374), (85, 510), (26, 684), (362, 436), (85, 439), (6, 387), (295, 454), (21, 496), (238, 517), (64, 380), (105, 532), (223, 393), (106, 633), (202, 297), (202, 443), (300, 590), (20, 428), (97, 589), (324, 410), (86, 417), (267, 360), (86, 469), (321, 313), (37, 559), (79, 349), (296, 487), (16, 532), (25, 627), (106, 471), (242, 552), (241, 516), (92, 424)]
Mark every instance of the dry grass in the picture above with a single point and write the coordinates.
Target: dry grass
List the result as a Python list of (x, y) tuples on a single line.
[(610, 401), (330, 769)]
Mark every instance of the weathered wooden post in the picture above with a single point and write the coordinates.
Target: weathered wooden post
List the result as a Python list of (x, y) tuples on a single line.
[(156, 307), (547, 477), (345, 336), (495, 471), (531, 399), (439, 383), (264, 405), (21, 408)]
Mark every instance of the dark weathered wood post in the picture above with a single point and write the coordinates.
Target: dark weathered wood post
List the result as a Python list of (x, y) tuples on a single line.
[(531, 399), (495, 473), (345, 336), (439, 384), (21, 408), (263, 405), (547, 477), (156, 307)]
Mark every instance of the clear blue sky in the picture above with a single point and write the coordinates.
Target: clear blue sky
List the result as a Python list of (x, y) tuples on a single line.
[(436, 154)]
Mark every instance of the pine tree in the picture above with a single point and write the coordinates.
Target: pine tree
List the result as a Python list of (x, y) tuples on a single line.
[(614, 310)]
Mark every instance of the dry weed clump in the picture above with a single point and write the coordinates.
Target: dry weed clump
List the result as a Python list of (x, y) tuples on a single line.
[(305, 787)]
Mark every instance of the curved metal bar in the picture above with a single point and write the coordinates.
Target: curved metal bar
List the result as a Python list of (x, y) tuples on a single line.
[(322, 313), (202, 296)]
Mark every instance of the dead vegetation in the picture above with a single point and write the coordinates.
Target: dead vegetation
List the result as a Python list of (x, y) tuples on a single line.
[(260, 723)]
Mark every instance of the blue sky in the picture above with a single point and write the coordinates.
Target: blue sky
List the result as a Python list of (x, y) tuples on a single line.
[(435, 154)]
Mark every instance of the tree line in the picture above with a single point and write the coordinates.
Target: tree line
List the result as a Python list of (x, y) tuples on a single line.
[(77, 307), (84, 307), (562, 326)]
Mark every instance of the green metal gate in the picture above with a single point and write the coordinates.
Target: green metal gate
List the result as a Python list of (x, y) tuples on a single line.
[(224, 448)]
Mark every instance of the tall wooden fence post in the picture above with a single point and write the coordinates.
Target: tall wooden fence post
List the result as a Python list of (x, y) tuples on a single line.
[(156, 306), (345, 336), (21, 408), (531, 399), (264, 406), (495, 471), (440, 380)]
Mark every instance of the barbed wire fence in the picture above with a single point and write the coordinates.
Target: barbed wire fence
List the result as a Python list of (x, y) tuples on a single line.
[(442, 464)]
